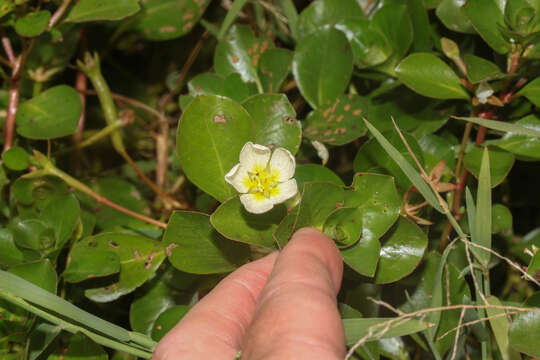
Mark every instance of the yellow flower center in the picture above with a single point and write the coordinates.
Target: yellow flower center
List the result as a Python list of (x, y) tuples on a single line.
[(262, 182)]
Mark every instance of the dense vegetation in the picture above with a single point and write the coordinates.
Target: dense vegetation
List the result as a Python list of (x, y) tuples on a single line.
[(415, 128)]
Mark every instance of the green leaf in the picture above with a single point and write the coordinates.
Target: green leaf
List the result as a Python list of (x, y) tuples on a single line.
[(501, 219), (372, 157), (402, 249), (231, 220), (480, 69), (240, 53), (6, 6), (211, 133), (62, 215), (421, 26), (500, 327), (326, 12), (16, 158), (377, 198), (167, 320), (138, 256), (524, 146), (449, 12), (195, 247), (40, 338), (533, 268), (376, 328), (10, 253), (274, 121), (503, 126), (319, 199), (344, 226), (98, 10), (33, 23), (483, 212), (168, 19), (40, 273), (370, 47), (532, 91), (274, 66), (322, 65), (435, 149), (313, 172), (32, 234), (82, 348), (53, 113), (525, 328), (486, 17), (394, 22), (501, 163), (339, 121), (430, 76)]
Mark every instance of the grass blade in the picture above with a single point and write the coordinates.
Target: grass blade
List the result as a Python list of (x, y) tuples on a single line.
[(502, 126), (407, 168), (471, 213), (291, 14), (230, 17), (482, 227)]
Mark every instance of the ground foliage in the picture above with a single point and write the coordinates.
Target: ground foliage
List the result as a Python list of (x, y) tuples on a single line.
[(415, 126)]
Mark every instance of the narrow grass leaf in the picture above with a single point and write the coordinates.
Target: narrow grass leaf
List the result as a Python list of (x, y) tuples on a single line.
[(381, 328), (229, 18), (471, 213), (407, 168), (483, 212), (502, 126)]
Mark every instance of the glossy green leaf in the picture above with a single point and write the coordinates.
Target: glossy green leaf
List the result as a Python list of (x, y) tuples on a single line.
[(421, 27), (435, 149), (401, 251), (168, 19), (504, 126), (500, 327), (501, 163), (16, 158), (313, 172), (523, 146), (322, 81), (377, 198), (138, 256), (195, 247), (430, 76), (40, 273), (82, 348), (240, 52), (369, 45), (40, 338), (338, 121), (449, 12), (274, 66), (533, 268), (532, 91), (231, 220), (211, 133), (326, 12), (344, 226), (483, 212), (39, 191), (486, 17), (167, 320), (376, 328), (274, 121), (394, 22), (10, 253), (480, 69), (99, 10), (33, 23), (53, 113), (32, 234), (372, 156), (237, 89), (62, 215), (501, 219), (6, 6), (319, 199), (525, 328)]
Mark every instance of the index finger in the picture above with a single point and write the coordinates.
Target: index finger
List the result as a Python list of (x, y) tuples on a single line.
[(297, 315)]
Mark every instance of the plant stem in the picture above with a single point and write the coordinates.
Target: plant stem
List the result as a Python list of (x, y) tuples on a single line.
[(58, 13), (49, 169)]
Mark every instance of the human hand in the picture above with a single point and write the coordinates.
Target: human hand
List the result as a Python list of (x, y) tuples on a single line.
[(282, 306)]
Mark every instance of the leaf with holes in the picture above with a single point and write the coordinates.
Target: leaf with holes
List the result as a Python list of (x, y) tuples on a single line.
[(338, 121), (135, 257)]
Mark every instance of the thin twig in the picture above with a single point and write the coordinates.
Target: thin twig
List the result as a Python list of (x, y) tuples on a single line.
[(58, 13), (8, 49), (473, 322), (456, 340), (475, 282)]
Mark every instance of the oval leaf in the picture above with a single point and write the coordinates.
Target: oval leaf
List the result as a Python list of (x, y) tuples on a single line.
[(97, 10)]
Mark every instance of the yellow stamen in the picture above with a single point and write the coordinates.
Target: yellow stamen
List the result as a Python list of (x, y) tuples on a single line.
[(262, 182)]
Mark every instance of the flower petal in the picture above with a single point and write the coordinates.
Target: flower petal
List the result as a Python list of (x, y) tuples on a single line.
[(286, 191), (236, 178), (283, 162), (253, 155), (256, 204)]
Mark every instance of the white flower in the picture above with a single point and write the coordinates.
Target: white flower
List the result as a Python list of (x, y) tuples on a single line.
[(263, 178), (322, 151), (483, 92)]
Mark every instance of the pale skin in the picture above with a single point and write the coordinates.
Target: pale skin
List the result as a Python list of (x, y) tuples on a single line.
[(282, 306)]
